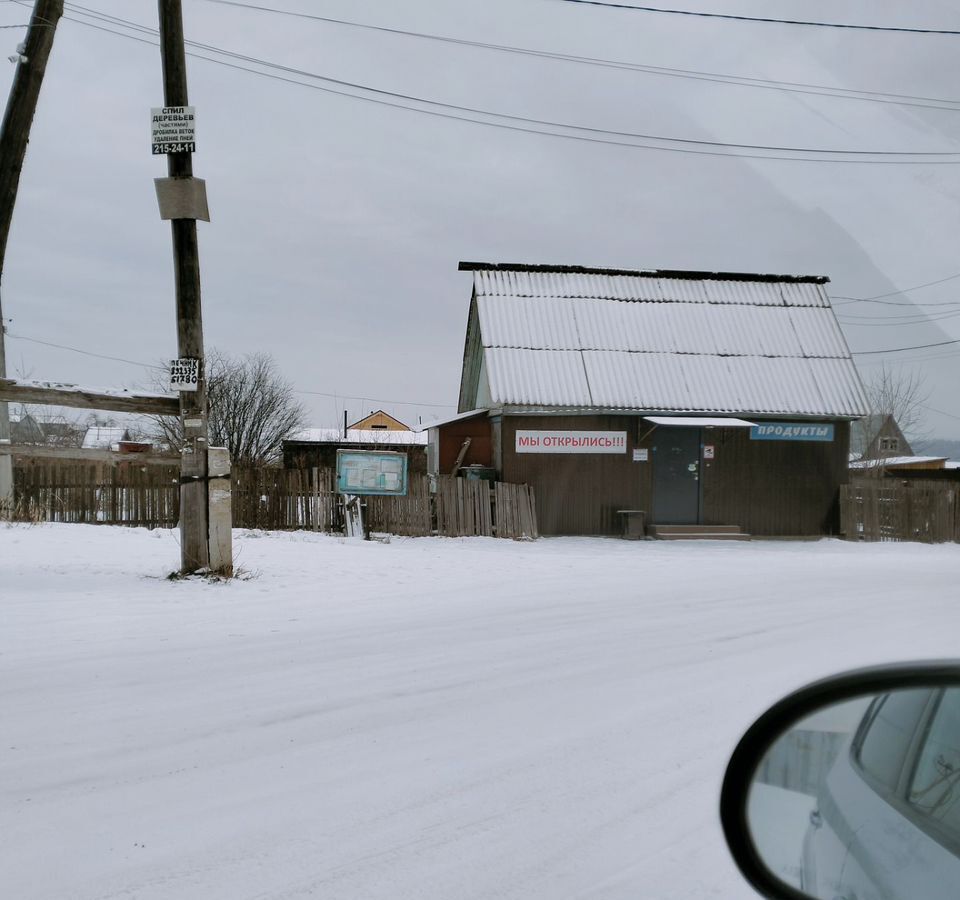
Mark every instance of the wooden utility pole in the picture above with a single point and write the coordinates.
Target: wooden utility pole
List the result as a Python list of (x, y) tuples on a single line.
[(14, 136), (194, 538)]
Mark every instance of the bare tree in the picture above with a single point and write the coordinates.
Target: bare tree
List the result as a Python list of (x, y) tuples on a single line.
[(252, 409), (896, 393)]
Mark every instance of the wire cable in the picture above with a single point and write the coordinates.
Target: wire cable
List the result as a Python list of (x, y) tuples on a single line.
[(903, 349), (378, 400), (766, 20), (132, 362), (876, 298), (527, 124), (797, 87)]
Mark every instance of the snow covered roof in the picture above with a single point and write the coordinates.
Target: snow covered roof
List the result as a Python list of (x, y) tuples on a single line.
[(659, 341), (103, 438), (360, 436), (898, 461), (446, 420)]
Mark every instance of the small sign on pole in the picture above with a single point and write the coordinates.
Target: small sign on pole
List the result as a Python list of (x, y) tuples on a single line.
[(184, 374), (708, 451), (173, 129)]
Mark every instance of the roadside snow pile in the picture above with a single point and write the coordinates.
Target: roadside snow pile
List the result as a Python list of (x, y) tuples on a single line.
[(429, 718)]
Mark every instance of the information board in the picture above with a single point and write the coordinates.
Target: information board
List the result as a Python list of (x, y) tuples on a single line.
[(371, 472), (173, 129)]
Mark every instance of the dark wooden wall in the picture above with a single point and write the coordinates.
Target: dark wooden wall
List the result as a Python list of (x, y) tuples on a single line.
[(577, 493), (771, 488), (452, 436), (775, 488)]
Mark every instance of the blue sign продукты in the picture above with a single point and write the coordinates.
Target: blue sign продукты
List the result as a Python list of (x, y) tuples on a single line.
[(791, 431)]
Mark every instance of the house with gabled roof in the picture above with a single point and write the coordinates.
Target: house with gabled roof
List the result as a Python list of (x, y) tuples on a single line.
[(713, 403)]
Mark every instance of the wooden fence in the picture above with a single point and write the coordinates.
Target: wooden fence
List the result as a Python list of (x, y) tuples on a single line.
[(270, 499), (885, 509)]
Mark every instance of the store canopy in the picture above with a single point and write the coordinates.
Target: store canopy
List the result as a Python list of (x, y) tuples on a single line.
[(699, 421)]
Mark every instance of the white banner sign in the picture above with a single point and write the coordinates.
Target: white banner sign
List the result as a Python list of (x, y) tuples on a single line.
[(571, 442), (173, 129), (185, 374)]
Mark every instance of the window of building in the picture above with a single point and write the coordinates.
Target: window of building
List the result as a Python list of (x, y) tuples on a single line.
[(889, 445)]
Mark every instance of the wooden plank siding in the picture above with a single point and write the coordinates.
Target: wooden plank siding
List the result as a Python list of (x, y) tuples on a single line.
[(775, 488), (770, 488)]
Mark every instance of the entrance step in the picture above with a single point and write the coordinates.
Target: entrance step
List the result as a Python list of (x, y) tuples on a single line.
[(697, 533)]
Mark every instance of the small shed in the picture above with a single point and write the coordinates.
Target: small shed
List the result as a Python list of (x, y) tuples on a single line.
[(317, 447), (706, 400)]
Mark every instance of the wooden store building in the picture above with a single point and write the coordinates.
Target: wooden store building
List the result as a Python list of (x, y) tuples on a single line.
[(720, 402)]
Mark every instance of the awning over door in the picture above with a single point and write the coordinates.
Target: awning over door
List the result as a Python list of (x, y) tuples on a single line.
[(699, 421)]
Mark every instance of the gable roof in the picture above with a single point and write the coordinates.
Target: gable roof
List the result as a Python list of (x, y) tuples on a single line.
[(865, 436), (665, 341), (377, 416)]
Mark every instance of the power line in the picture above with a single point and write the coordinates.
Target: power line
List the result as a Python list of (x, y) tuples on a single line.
[(378, 400), (544, 122), (902, 349), (441, 110), (895, 321), (940, 411), (876, 298), (132, 362), (797, 87), (763, 19)]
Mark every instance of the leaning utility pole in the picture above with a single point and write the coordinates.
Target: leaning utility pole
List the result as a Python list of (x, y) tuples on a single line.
[(181, 194), (14, 136)]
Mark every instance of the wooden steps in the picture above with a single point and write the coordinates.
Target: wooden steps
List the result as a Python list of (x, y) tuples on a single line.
[(697, 533)]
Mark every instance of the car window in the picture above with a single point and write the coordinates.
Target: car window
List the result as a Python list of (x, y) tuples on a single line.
[(884, 745), (935, 788)]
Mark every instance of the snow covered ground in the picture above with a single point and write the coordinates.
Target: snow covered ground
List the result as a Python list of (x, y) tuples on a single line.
[(431, 718)]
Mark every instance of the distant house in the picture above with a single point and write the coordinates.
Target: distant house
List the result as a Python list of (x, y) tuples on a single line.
[(717, 402), (876, 437), (100, 437), (317, 447), (379, 421), (27, 428)]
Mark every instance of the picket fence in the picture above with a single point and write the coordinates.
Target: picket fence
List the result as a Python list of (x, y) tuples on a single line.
[(887, 509), (270, 499)]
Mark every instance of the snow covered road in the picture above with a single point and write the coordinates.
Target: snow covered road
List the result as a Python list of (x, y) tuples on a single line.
[(428, 719)]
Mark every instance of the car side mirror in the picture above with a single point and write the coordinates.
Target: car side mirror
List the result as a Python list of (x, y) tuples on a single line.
[(849, 788)]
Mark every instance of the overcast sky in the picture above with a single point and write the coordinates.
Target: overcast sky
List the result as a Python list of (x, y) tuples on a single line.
[(337, 224)]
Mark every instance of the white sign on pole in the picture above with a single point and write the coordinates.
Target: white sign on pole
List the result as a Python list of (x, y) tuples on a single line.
[(184, 374), (571, 442), (173, 129)]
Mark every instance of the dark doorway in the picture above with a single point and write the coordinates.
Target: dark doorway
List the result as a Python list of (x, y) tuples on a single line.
[(676, 476)]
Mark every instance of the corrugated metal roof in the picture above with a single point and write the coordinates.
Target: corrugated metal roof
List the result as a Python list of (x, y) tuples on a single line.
[(646, 341)]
